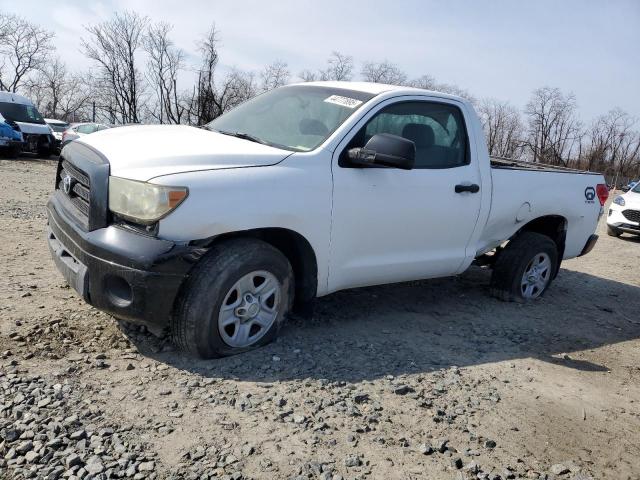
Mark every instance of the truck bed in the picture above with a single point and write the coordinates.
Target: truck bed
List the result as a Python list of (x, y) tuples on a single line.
[(511, 164), (521, 194)]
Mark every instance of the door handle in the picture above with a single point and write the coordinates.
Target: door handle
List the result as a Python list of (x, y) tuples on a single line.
[(473, 188)]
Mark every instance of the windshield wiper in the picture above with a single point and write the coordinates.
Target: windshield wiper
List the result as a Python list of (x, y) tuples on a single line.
[(244, 136)]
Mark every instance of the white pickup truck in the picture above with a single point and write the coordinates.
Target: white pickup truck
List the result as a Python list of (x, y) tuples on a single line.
[(218, 232)]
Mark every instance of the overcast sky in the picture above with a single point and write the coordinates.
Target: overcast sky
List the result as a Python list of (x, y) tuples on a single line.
[(501, 49)]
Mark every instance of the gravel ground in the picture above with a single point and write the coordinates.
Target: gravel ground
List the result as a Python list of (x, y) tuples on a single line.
[(431, 379)]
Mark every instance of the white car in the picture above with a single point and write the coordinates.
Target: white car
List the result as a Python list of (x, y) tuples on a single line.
[(305, 190), (624, 213), (58, 127), (22, 114)]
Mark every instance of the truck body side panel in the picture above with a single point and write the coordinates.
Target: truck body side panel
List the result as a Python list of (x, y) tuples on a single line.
[(520, 196)]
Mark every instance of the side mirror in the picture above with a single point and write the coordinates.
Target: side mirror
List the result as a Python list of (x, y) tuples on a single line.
[(386, 150)]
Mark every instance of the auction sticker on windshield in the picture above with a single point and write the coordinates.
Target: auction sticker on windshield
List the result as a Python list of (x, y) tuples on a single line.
[(343, 101)]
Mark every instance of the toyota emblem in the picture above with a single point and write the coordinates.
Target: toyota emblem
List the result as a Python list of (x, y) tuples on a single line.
[(67, 183)]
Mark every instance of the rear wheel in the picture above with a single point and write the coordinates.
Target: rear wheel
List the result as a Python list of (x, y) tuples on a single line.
[(235, 299), (525, 268), (613, 231)]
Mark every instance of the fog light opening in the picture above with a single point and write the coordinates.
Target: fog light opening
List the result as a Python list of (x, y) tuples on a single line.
[(118, 290)]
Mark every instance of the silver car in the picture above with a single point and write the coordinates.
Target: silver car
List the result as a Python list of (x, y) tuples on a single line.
[(77, 130)]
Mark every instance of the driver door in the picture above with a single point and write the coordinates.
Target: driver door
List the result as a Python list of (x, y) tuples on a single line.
[(391, 225)]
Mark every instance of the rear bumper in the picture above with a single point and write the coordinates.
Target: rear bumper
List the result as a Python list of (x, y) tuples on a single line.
[(131, 276)]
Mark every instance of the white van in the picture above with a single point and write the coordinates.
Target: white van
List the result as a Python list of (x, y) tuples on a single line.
[(20, 112)]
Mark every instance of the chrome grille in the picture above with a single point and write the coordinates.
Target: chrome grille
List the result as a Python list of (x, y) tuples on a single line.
[(80, 187), (632, 215)]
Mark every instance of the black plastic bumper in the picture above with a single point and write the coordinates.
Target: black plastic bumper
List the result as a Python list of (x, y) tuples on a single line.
[(17, 144), (129, 275)]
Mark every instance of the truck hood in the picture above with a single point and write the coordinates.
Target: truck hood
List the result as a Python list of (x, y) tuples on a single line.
[(37, 128), (632, 200), (143, 152)]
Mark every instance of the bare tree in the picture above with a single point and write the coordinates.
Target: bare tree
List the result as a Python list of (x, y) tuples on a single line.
[(502, 127), (614, 145), (163, 66), (308, 75), (237, 87), (383, 72), (339, 68), (24, 49), (201, 103), (275, 75), (210, 100), (554, 130), (58, 93), (425, 81), (114, 45), (75, 103)]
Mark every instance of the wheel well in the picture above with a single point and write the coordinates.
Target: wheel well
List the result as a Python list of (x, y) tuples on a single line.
[(554, 227), (298, 251)]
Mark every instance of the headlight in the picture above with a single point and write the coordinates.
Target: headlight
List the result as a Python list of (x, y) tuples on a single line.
[(143, 202), (619, 201)]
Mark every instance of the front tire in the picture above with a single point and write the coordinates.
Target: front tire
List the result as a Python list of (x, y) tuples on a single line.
[(234, 300), (525, 268), (613, 231)]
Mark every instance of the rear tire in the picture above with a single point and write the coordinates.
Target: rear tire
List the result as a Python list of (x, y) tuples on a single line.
[(226, 306), (613, 231), (525, 268)]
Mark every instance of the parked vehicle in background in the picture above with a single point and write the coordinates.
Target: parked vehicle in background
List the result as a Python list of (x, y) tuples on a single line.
[(307, 189), (58, 127), (22, 115), (10, 139), (77, 130), (624, 213), (630, 186)]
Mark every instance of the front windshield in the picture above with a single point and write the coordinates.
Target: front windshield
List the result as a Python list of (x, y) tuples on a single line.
[(636, 188), (297, 117), (18, 112)]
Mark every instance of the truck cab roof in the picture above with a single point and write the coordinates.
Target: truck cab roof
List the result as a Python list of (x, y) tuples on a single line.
[(381, 88)]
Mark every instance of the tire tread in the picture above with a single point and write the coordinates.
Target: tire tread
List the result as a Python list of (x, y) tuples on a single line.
[(509, 262), (220, 259)]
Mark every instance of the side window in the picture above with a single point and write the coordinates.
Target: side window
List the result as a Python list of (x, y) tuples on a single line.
[(88, 128), (436, 129)]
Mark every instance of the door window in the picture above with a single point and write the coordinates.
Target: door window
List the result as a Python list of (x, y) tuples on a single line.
[(436, 129)]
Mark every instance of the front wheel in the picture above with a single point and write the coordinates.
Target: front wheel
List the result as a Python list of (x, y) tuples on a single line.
[(235, 299), (525, 268)]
